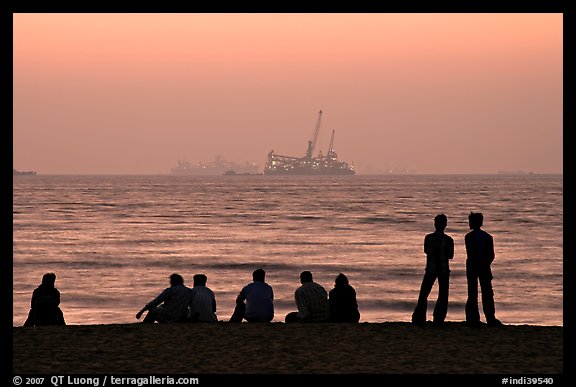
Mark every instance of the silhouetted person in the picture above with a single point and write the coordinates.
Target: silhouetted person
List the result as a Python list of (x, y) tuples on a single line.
[(311, 300), (480, 255), (203, 301), (342, 301), (259, 298), (439, 250), (171, 305), (44, 306)]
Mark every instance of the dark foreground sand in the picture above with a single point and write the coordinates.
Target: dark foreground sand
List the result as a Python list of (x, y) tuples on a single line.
[(224, 348)]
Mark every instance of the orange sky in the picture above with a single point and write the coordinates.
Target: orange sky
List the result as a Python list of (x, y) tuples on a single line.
[(438, 93)]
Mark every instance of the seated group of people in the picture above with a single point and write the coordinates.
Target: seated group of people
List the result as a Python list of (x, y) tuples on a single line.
[(254, 303), (179, 303)]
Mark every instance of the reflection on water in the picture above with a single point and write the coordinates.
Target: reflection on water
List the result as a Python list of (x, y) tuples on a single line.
[(114, 240)]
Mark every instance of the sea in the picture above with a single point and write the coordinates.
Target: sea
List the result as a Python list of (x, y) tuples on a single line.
[(113, 241)]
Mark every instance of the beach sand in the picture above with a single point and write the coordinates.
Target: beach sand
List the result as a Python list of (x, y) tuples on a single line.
[(278, 348)]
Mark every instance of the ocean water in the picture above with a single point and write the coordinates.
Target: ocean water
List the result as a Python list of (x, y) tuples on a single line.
[(113, 241)]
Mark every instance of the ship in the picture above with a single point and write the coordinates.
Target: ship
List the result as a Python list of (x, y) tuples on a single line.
[(219, 166), (19, 173), (309, 165)]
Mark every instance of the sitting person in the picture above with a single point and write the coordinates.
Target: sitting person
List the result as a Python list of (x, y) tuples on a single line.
[(259, 298), (311, 300), (203, 302), (169, 306), (342, 301), (44, 306)]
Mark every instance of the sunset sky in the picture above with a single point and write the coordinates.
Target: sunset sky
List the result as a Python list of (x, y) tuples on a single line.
[(436, 93)]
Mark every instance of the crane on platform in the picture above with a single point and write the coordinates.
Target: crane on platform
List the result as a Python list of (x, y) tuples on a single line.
[(309, 165), (312, 143), (331, 147)]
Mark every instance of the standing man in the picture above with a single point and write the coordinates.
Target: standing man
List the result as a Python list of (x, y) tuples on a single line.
[(439, 250), (311, 300), (259, 298), (480, 253)]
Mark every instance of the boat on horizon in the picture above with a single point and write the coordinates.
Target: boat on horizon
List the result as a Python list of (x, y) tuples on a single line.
[(232, 172), (18, 173), (219, 166), (309, 165)]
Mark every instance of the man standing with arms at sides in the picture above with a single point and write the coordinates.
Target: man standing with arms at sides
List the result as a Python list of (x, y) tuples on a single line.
[(439, 249), (480, 253)]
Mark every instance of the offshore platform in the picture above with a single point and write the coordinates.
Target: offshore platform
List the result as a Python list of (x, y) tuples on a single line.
[(309, 165)]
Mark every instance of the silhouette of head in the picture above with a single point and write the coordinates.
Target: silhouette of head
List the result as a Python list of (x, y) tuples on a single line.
[(200, 279), (306, 276), (49, 279), (475, 220), (341, 280), (440, 222), (176, 279), (258, 275)]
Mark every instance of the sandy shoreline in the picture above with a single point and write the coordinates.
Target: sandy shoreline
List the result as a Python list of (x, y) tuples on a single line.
[(277, 348)]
